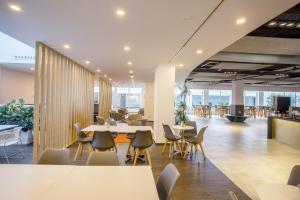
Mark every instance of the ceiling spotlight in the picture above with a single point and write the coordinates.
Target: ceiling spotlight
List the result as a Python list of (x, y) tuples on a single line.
[(32, 68), (87, 62), (105, 75), (272, 23), (130, 72), (131, 76), (98, 70), (180, 65), (110, 79), (66, 46), (126, 48), (15, 7), (240, 21), (129, 63), (199, 51), (298, 25), (120, 13), (290, 24), (282, 24)]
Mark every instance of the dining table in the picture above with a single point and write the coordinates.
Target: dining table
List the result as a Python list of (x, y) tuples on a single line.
[(119, 128), (278, 192), (70, 182)]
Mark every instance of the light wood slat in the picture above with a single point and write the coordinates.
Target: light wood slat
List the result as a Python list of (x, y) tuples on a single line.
[(64, 95)]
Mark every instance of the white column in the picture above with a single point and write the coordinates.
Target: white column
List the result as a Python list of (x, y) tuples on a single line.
[(149, 101), (164, 83), (260, 98), (205, 97), (237, 93)]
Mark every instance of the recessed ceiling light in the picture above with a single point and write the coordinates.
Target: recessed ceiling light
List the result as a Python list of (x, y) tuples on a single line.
[(105, 75), (32, 68), (120, 13), (129, 63), (110, 79), (199, 51), (15, 7), (272, 23), (282, 24), (131, 76), (126, 48), (130, 72), (180, 65), (87, 62), (66, 46), (290, 24), (298, 25), (240, 21), (98, 70)]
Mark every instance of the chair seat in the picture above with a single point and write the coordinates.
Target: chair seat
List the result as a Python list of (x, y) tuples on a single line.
[(188, 135), (176, 138), (191, 140), (85, 139)]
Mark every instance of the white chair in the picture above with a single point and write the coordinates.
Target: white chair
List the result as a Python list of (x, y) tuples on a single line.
[(10, 137)]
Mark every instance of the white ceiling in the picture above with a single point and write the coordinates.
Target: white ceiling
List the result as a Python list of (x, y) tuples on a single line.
[(154, 29)]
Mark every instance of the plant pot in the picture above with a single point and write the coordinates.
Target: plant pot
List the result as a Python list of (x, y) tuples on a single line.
[(182, 124), (26, 137)]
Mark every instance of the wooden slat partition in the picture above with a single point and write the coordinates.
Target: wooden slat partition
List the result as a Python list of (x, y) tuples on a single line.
[(105, 98), (64, 95)]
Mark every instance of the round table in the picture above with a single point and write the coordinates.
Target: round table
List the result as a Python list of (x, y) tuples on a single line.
[(278, 192), (182, 129)]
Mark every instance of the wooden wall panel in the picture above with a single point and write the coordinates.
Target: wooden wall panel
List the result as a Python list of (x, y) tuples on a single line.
[(105, 98), (64, 95)]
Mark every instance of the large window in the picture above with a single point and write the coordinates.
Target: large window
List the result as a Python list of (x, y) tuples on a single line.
[(195, 98), (219, 97), (250, 98), (127, 97), (295, 98)]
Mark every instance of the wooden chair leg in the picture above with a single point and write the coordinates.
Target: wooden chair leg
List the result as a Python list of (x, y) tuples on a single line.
[(192, 153), (202, 151), (179, 147), (148, 156), (170, 152), (77, 152), (164, 147), (129, 146), (136, 155), (186, 150), (90, 147), (197, 153)]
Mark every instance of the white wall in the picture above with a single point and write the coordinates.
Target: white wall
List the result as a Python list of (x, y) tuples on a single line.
[(16, 84), (164, 83), (149, 100)]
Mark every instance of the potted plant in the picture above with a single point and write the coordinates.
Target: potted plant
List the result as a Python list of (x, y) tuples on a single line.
[(181, 106), (17, 113)]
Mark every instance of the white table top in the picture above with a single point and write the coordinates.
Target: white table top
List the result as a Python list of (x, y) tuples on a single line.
[(182, 128), (6, 127), (45, 182), (278, 192), (120, 128)]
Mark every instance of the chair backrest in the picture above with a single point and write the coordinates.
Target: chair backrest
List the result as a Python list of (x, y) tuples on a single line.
[(103, 140), (142, 139), (193, 124), (199, 137), (134, 117), (78, 130), (232, 195), (55, 157), (294, 178), (123, 111), (103, 159), (168, 132), (100, 120), (166, 181), (135, 123), (141, 111), (116, 116)]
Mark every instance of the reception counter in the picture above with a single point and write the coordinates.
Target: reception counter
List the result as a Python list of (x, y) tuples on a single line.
[(284, 130)]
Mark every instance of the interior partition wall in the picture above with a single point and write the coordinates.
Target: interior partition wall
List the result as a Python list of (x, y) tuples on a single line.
[(64, 92), (105, 98)]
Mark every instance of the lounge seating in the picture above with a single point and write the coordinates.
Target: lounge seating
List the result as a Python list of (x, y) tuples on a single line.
[(55, 157)]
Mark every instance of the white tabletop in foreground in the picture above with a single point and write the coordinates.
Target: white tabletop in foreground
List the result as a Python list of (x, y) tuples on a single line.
[(278, 192), (120, 128), (182, 128), (45, 182)]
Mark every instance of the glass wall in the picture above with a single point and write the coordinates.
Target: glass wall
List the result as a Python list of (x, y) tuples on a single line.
[(195, 98), (219, 97), (250, 98), (127, 97), (295, 97)]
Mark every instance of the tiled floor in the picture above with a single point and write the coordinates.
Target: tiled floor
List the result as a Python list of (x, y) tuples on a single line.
[(243, 153)]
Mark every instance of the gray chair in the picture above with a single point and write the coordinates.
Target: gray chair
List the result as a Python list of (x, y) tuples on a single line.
[(100, 120), (166, 181), (55, 157), (172, 139), (141, 111), (81, 139), (142, 141), (102, 159), (189, 133), (103, 141), (195, 142), (232, 195), (116, 116), (294, 178)]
